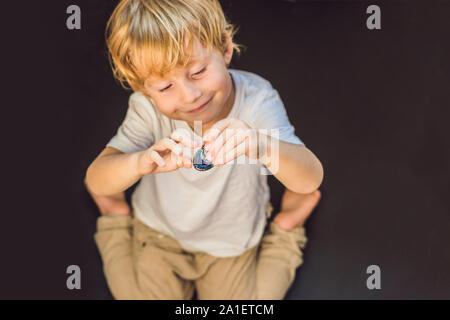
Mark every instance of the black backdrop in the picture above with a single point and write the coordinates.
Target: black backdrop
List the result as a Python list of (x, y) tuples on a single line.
[(372, 105)]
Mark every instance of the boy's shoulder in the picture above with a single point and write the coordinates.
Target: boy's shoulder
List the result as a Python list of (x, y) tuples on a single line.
[(250, 80), (253, 88), (142, 106), (140, 102), (139, 98)]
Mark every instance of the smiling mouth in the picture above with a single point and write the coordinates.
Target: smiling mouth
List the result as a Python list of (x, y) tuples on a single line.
[(203, 106)]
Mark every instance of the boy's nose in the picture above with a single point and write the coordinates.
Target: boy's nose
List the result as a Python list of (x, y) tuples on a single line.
[(191, 95)]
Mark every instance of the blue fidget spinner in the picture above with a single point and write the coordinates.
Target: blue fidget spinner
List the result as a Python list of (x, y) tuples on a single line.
[(200, 161)]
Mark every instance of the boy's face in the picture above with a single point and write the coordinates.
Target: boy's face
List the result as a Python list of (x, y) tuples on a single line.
[(182, 94)]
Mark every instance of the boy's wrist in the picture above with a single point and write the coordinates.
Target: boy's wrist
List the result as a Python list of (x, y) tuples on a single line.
[(263, 148), (143, 167)]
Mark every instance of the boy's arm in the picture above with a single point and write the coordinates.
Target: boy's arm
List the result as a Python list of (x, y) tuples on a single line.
[(295, 166), (113, 172)]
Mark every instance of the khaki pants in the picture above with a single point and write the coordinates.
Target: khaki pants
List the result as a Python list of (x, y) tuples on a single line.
[(141, 263)]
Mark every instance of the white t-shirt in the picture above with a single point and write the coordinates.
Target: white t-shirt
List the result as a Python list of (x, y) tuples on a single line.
[(221, 211)]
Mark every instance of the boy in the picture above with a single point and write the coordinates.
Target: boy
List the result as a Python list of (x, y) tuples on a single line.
[(190, 229)]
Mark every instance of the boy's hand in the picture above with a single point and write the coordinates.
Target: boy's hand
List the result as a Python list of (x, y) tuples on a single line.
[(230, 138), (168, 154)]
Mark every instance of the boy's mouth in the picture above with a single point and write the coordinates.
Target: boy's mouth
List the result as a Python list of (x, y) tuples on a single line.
[(201, 108)]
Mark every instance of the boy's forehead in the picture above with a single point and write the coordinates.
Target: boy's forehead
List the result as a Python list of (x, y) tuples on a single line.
[(198, 55), (198, 52)]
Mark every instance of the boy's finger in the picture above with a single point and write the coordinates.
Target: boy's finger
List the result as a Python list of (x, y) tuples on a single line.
[(193, 143), (188, 152), (198, 142), (216, 129), (222, 124), (214, 147), (172, 145), (179, 162), (186, 158), (157, 158), (187, 162), (231, 143), (184, 137), (230, 155)]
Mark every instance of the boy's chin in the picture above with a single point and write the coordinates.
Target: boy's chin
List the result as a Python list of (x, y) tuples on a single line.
[(208, 116), (205, 117)]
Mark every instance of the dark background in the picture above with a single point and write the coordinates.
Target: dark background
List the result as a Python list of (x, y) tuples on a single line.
[(372, 105)]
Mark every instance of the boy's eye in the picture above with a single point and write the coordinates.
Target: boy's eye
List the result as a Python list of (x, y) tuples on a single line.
[(201, 71), (197, 73), (162, 90)]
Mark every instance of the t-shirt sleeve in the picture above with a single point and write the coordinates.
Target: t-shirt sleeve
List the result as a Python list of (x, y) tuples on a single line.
[(135, 133), (268, 112)]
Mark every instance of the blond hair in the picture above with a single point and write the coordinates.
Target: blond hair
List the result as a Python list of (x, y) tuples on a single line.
[(151, 37)]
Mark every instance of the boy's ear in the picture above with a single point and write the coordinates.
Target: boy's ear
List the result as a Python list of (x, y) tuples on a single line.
[(228, 53)]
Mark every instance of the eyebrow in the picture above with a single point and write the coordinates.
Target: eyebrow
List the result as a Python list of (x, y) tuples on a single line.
[(194, 60)]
